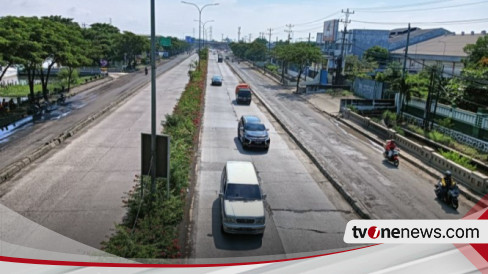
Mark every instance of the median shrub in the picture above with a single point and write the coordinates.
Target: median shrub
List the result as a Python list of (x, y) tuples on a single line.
[(151, 227)]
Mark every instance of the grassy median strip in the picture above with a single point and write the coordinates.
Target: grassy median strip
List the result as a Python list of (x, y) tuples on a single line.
[(150, 228)]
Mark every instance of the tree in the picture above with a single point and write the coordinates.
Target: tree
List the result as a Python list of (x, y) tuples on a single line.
[(256, 51), (300, 54), (239, 49), (13, 42), (54, 38), (358, 68), (129, 45), (477, 53), (30, 52), (377, 54), (101, 37)]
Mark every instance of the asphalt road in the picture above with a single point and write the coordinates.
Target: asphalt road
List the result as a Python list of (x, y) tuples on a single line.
[(18, 143), (300, 216), (386, 192), (78, 188)]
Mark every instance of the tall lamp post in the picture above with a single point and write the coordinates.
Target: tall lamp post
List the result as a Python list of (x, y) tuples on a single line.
[(209, 21), (199, 19)]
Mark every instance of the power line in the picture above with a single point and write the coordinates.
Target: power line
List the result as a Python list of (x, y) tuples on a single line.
[(479, 20), (427, 9), (405, 5)]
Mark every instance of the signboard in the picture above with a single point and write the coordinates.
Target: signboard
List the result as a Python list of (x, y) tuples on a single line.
[(165, 41), (162, 155), (189, 39), (320, 38), (331, 28)]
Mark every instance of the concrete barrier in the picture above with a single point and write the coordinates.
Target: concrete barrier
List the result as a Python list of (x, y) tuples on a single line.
[(475, 181)]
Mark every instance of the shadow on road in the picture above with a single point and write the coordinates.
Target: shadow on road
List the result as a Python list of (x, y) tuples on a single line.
[(229, 241), (249, 151), (389, 165), (447, 208)]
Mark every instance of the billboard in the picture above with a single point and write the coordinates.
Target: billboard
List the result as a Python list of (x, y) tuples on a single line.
[(319, 37), (331, 28), (189, 39)]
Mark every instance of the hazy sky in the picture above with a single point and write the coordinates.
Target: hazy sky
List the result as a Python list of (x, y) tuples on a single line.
[(257, 16)]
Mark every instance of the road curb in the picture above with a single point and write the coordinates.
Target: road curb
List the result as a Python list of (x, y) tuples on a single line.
[(12, 169), (355, 204)]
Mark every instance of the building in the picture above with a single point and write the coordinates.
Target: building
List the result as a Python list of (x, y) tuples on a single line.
[(446, 50)]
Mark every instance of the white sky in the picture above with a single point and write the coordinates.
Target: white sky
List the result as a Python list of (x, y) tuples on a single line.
[(174, 18)]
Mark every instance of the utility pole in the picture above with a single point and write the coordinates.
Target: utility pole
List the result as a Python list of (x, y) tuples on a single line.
[(269, 41), (289, 31), (222, 37), (238, 34), (428, 103), (340, 69), (309, 37), (250, 37), (404, 71)]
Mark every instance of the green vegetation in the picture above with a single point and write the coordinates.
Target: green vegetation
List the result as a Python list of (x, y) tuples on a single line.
[(23, 90), (150, 229), (441, 138), (31, 42), (299, 54), (390, 118), (272, 68), (458, 159)]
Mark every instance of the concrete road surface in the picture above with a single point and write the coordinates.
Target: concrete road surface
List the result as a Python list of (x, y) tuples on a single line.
[(384, 191), (77, 190), (300, 216)]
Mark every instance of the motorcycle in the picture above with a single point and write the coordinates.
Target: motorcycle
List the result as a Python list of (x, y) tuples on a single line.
[(394, 159), (452, 195), (61, 100)]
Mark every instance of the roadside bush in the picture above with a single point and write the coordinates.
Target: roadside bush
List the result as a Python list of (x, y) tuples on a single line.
[(390, 118), (436, 136), (458, 159)]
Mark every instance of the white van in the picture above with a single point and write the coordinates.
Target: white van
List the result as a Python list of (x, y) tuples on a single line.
[(241, 199)]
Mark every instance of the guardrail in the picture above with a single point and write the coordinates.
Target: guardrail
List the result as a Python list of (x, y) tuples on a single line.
[(475, 181)]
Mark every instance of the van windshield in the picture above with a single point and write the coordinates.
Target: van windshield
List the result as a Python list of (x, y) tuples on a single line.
[(242, 192)]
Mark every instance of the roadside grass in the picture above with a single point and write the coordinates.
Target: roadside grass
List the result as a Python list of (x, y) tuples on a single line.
[(151, 227), (23, 90)]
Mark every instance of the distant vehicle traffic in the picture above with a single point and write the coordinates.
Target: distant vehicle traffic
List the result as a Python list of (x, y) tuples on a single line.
[(241, 199), (220, 59), (217, 80)]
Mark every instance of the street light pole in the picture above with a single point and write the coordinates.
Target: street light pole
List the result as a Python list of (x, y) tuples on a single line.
[(153, 101), (204, 29), (199, 19)]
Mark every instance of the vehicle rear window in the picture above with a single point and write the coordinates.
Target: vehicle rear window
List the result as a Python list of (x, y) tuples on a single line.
[(244, 92), (242, 192)]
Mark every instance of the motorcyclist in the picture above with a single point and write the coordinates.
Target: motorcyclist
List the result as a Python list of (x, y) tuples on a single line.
[(390, 147), (447, 183), (145, 70)]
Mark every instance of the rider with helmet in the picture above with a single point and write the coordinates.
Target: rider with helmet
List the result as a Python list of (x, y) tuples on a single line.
[(447, 183)]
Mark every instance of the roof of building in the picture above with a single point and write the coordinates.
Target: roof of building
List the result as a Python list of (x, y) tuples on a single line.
[(446, 45), (400, 35)]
